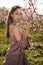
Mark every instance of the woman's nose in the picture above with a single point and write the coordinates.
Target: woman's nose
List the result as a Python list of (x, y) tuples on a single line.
[(20, 16)]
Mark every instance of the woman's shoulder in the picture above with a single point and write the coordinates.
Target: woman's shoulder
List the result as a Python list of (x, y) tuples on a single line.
[(13, 27), (12, 30)]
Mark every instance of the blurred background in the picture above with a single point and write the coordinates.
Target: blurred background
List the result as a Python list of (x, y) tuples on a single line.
[(32, 11)]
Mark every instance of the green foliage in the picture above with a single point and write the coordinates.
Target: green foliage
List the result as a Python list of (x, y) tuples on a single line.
[(2, 25), (36, 36), (1, 60), (3, 49), (4, 43), (35, 60)]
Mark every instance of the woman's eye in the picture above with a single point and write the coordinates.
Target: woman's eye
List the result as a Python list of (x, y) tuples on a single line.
[(20, 13), (16, 13)]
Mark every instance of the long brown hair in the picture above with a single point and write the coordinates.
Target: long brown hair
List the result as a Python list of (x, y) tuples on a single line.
[(9, 20)]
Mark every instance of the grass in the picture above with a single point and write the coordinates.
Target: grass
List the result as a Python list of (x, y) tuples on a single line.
[(1, 60)]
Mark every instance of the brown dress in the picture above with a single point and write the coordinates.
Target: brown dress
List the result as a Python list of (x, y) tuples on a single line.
[(15, 55)]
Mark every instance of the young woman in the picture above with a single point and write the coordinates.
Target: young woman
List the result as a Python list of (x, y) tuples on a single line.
[(18, 39)]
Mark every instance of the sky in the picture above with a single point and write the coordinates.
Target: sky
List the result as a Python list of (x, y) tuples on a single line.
[(10, 3)]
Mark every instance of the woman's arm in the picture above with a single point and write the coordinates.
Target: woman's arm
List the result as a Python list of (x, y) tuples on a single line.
[(14, 30), (27, 27), (26, 32)]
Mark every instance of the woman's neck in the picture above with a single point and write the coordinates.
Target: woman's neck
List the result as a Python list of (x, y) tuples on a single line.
[(17, 24)]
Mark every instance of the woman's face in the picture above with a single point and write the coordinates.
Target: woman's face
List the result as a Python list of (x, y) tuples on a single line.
[(17, 15)]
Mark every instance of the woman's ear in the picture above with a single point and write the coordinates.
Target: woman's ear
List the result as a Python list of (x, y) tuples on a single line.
[(11, 15)]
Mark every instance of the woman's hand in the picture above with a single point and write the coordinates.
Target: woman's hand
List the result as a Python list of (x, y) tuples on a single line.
[(27, 27)]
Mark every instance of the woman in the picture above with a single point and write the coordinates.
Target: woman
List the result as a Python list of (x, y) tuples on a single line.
[(18, 40)]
